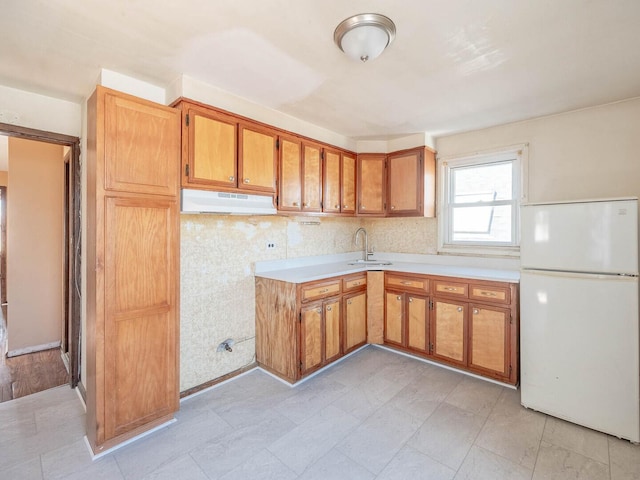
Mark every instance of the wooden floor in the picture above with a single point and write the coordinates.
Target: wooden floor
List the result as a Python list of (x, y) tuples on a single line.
[(30, 373)]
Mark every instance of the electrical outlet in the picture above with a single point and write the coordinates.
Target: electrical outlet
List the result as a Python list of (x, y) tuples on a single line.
[(271, 245)]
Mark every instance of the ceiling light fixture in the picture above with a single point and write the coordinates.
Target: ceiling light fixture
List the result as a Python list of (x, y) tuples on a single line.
[(364, 36)]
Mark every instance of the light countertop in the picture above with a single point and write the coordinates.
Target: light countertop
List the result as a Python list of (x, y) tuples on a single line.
[(308, 269)]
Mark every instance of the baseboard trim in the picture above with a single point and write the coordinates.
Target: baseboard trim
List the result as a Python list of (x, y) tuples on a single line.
[(217, 381), (35, 348)]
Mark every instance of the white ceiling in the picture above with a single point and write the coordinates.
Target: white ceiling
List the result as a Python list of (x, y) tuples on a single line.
[(455, 65)]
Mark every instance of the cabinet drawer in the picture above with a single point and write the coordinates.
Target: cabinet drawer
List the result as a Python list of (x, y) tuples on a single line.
[(355, 282), (490, 293), (417, 284), (451, 288), (320, 290)]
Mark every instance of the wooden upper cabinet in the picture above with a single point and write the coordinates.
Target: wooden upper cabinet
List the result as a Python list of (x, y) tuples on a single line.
[(348, 184), (371, 184), (142, 147), (311, 177), (257, 157), (411, 183), (212, 149), (404, 183), (290, 186), (331, 181)]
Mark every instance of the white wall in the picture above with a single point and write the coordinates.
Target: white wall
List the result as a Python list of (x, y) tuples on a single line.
[(589, 153), (40, 112)]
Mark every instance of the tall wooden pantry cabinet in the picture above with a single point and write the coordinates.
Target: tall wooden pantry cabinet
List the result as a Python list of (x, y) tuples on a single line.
[(133, 176)]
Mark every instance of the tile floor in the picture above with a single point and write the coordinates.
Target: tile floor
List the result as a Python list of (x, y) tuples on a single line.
[(374, 415)]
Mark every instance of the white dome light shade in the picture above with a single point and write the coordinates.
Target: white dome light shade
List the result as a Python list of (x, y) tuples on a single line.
[(365, 36)]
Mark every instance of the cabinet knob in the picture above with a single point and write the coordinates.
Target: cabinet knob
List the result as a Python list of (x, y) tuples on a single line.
[(362, 207), (459, 309), (450, 289), (410, 300), (476, 311), (393, 207), (345, 206), (329, 308), (348, 302), (246, 180), (324, 290), (305, 204), (398, 297), (319, 310), (337, 206), (406, 282), (231, 178), (488, 294), (296, 204)]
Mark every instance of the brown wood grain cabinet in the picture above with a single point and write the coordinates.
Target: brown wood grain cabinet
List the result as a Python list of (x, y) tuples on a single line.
[(411, 183), (348, 184), (339, 182), (469, 324), (290, 186), (371, 186), (133, 161), (303, 327), (221, 151)]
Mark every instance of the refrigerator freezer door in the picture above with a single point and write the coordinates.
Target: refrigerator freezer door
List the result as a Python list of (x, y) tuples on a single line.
[(580, 350), (599, 236)]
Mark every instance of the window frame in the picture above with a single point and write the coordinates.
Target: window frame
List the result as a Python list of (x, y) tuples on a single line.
[(518, 155)]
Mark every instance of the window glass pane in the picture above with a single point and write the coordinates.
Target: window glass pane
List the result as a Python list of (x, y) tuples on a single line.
[(482, 224), (482, 183)]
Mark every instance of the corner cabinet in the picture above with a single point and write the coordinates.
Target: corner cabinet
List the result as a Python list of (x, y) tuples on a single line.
[(133, 159), (466, 323), (411, 183), (301, 328)]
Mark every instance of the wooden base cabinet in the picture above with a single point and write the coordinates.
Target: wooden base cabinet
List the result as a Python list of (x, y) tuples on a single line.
[(133, 161), (303, 327), (469, 324)]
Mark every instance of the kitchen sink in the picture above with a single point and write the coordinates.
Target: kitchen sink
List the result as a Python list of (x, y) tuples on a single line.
[(370, 262)]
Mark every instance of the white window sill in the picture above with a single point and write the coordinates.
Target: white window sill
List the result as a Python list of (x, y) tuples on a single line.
[(511, 252)]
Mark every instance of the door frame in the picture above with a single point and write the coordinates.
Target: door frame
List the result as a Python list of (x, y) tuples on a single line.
[(73, 247)]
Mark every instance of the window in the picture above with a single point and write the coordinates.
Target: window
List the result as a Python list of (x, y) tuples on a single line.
[(480, 202)]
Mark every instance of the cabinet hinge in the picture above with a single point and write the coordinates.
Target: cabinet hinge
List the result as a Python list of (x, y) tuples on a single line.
[(277, 201), (300, 365), (431, 348), (322, 154), (431, 308), (277, 144), (186, 170), (300, 317), (187, 119), (510, 369), (510, 318)]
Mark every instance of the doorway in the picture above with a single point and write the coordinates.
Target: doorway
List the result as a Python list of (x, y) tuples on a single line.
[(70, 334)]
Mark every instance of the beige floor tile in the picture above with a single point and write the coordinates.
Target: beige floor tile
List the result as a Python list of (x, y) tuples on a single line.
[(481, 464), (410, 463), (379, 437), (579, 439), (512, 431), (447, 435), (557, 463), (475, 396), (29, 470), (336, 466), (183, 467), (263, 466), (624, 459)]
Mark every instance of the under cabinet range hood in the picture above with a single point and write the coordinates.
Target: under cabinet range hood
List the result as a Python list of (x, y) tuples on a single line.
[(205, 201)]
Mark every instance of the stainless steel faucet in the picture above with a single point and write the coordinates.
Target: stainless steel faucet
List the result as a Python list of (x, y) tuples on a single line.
[(365, 250)]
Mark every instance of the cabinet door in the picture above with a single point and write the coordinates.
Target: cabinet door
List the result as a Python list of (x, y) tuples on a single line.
[(489, 339), (312, 178), (355, 321), (290, 191), (331, 185), (371, 184), (405, 183), (393, 318), (417, 323), (348, 184), (311, 337), (332, 322), (448, 331), (140, 324), (212, 149), (141, 147), (257, 158)]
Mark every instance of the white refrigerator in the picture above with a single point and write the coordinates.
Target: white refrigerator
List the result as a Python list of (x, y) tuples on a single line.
[(579, 335)]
